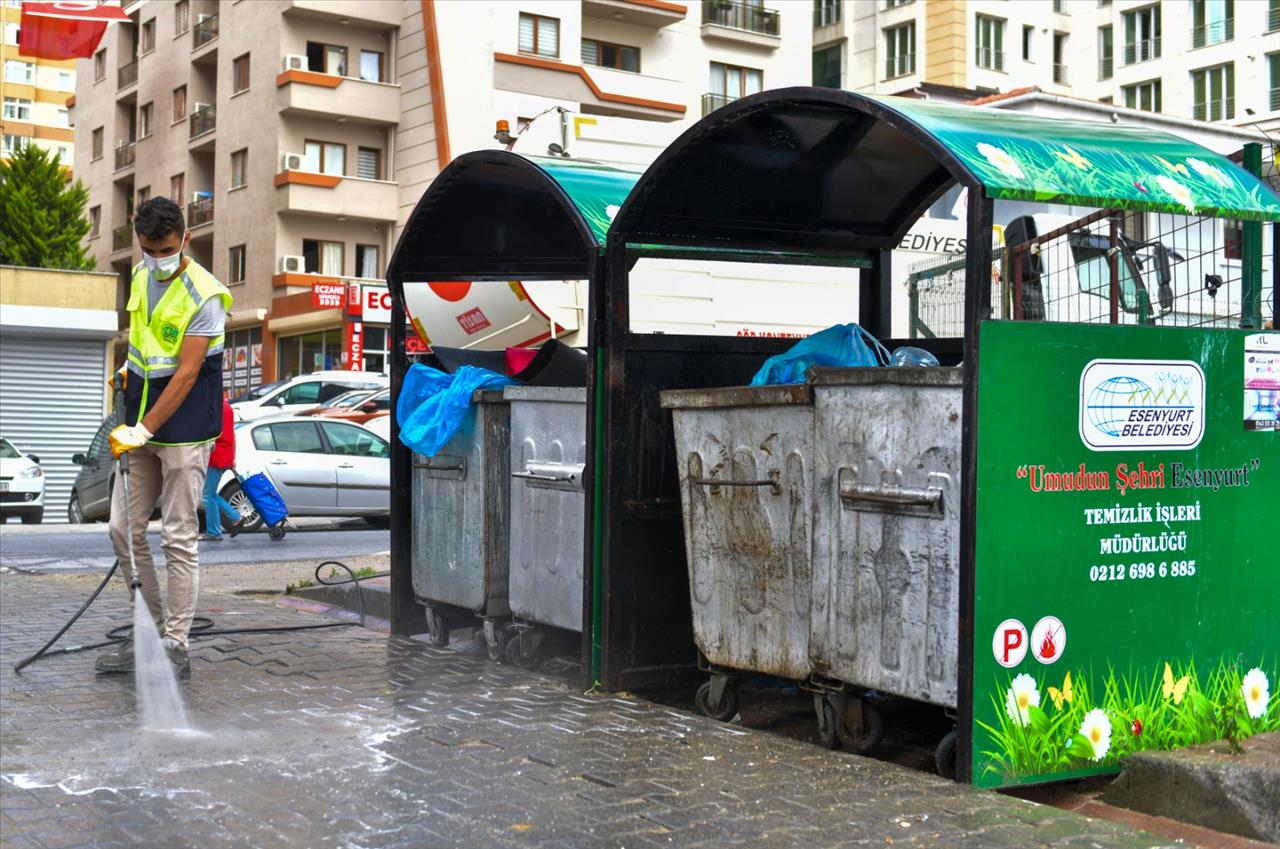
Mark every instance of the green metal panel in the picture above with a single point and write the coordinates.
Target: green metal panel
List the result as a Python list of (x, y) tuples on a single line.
[(1114, 166), (596, 190)]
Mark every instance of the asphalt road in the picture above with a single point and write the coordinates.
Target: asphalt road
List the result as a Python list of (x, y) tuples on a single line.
[(86, 548)]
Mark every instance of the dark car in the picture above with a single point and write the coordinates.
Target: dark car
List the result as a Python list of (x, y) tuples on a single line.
[(91, 493)]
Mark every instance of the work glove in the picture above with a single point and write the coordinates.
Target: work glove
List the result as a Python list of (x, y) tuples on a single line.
[(128, 438)]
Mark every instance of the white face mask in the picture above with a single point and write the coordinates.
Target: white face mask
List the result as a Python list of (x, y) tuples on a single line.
[(162, 268)]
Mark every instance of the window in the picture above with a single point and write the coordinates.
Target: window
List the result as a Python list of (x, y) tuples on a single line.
[(296, 437), (827, 67), (100, 65), (733, 82), (19, 72), (1213, 91), (66, 81), (13, 144), (239, 160), (890, 4), (64, 154), (990, 43), (1060, 58), (64, 117), (144, 195), (1274, 62), (1093, 269), (147, 37), (95, 222), (825, 13), (240, 74), (539, 35), (371, 66), (352, 441), (322, 257), (1057, 6), (1142, 35), (97, 143), (1212, 22), (1106, 53), (235, 264), (1028, 33), (324, 158), (179, 103), (368, 163), (900, 51), (367, 262), (326, 58), (1232, 239), (146, 120), (17, 109), (176, 185), (181, 17), (1144, 96), (605, 55), (1273, 15), (11, 32)]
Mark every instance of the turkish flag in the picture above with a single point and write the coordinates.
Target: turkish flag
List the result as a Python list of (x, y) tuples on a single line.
[(69, 29)]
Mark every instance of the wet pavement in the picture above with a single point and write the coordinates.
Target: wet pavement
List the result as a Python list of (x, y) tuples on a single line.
[(349, 738)]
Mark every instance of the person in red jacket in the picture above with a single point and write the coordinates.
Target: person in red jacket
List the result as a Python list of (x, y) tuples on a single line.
[(222, 458)]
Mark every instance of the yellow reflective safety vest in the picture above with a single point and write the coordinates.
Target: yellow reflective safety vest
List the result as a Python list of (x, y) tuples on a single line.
[(155, 341)]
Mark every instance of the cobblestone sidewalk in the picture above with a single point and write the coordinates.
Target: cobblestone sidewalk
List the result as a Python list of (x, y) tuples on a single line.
[(348, 738)]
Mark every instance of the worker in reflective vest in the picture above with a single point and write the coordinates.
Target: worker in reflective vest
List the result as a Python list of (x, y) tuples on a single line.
[(173, 405)]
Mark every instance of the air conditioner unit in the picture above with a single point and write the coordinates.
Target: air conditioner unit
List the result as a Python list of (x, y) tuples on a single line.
[(293, 62), (292, 264), (291, 162)]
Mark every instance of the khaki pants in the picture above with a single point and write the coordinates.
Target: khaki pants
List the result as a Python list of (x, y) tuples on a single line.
[(173, 477)]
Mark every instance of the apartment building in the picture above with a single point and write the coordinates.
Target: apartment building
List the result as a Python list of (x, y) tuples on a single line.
[(35, 93), (299, 134), (1211, 60)]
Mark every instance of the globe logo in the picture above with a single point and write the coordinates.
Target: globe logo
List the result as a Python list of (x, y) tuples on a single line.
[(1111, 400)]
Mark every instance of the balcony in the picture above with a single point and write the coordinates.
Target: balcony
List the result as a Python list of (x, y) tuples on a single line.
[(199, 213), (601, 91), (1223, 109), (712, 102), (315, 95), (125, 153), (653, 15), (1142, 51), (122, 238), (992, 60), (204, 31), (387, 13), (1214, 33), (1106, 68), (899, 66), (343, 198), (203, 120), (735, 20), (1060, 74), (1275, 100), (126, 75)]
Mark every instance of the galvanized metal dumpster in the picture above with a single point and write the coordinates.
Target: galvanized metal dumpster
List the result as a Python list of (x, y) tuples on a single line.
[(886, 565), (548, 507), (745, 459), (461, 502)]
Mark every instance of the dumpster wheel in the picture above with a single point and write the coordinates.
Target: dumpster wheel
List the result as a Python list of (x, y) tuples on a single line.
[(864, 739), (726, 710), (944, 757), (525, 649), (436, 629)]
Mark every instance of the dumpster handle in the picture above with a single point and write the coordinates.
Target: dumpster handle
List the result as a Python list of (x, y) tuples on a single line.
[(893, 496), (774, 483), (459, 467), (534, 476)]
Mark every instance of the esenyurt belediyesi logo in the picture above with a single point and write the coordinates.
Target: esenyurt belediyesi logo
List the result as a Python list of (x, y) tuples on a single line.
[(1148, 404)]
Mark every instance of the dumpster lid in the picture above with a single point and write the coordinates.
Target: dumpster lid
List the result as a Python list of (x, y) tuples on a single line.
[(828, 171), (496, 215), (737, 396), (548, 394), (928, 376)]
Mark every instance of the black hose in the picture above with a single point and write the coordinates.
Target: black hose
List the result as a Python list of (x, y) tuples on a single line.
[(201, 626)]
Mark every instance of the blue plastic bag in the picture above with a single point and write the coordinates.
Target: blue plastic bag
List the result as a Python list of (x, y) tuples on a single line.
[(433, 406), (265, 498), (841, 346)]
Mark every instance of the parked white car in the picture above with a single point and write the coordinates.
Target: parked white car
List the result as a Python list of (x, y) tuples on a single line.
[(380, 425), (21, 485), (305, 392), (320, 467)]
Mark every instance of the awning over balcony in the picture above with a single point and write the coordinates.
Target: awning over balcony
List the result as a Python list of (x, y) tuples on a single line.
[(497, 215), (828, 171)]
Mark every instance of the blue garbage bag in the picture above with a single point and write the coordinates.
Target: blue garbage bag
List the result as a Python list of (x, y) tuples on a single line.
[(841, 346), (434, 406)]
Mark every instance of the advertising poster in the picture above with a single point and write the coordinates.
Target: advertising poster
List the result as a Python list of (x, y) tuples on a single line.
[(1125, 578)]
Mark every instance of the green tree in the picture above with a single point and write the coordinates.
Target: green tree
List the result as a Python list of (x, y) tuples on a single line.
[(42, 219)]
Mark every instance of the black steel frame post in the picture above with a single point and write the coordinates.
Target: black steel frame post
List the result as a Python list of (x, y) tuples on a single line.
[(977, 308), (875, 296), (405, 616), (592, 589)]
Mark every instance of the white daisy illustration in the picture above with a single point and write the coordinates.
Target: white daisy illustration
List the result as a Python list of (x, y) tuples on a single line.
[(1002, 160), (611, 210), (1256, 692), (1179, 192), (1022, 695), (1097, 728), (1204, 169)]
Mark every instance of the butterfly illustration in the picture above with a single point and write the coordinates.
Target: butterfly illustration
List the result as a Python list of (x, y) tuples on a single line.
[(1177, 690), (1063, 695)]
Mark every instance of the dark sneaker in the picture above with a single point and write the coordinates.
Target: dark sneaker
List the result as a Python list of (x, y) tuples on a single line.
[(178, 657), (236, 527), (115, 662)]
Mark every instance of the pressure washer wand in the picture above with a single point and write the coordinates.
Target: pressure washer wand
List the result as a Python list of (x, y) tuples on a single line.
[(135, 582)]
